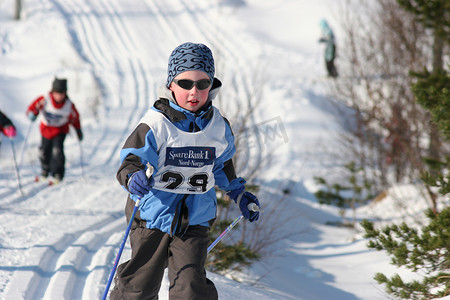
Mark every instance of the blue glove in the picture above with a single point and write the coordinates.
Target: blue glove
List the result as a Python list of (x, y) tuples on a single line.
[(139, 184), (31, 116), (243, 199)]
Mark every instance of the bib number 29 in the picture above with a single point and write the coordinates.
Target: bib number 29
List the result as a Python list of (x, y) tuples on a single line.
[(196, 183)]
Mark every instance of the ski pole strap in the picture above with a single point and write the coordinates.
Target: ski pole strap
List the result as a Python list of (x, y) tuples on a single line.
[(239, 198)]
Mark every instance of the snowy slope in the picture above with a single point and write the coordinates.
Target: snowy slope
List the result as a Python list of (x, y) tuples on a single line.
[(60, 242)]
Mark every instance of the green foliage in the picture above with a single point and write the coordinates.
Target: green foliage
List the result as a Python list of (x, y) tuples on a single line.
[(332, 194), (412, 290), (347, 195), (229, 257), (432, 91), (433, 14), (225, 257), (427, 250), (438, 179)]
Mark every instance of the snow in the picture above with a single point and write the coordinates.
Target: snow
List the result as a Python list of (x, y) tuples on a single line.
[(60, 242)]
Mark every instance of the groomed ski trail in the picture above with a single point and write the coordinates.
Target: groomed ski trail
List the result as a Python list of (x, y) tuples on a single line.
[(103, 33)]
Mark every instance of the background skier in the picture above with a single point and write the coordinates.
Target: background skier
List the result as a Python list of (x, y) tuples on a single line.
[(330, 49), (190, 146), (58, 112)]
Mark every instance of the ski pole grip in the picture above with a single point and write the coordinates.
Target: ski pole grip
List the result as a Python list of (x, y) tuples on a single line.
[(253, 207)]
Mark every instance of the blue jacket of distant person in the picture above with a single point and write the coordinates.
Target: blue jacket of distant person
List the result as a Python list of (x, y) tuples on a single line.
[(328, 38), (191, 153)]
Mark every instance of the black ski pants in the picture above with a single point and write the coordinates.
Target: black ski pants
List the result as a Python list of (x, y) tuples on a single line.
[(332, 72), (152, 251), (51, 155)]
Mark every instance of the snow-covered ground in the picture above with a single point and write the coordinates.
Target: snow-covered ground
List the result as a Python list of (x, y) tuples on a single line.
[(60, 242)]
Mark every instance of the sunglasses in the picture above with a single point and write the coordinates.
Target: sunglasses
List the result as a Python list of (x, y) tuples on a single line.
[(188, 84)]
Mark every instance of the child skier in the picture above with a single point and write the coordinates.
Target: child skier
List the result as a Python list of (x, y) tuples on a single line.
[(6, 126), (58, 112), (189, 145)]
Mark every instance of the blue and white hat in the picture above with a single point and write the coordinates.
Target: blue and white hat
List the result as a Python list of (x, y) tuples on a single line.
[(190, 57)]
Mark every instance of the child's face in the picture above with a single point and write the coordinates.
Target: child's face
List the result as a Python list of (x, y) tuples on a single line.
[(194, 98), (59, 97)]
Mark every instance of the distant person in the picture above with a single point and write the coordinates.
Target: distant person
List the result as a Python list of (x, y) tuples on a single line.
[(57, 113), (6, 126), (330, 49), (190, 146)]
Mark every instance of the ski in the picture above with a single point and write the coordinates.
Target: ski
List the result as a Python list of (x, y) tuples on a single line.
[(49, 181)]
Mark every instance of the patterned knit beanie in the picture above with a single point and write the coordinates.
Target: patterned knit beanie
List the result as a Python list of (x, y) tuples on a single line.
[(190, 57)]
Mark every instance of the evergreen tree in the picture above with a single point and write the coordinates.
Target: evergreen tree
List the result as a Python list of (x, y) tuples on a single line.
[(432, 91), (435, 15), (427, 251), (432, 88)]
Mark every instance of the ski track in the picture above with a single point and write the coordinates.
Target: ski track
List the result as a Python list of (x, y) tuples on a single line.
[(75, 266), (99, 16), (62, 269), (78, 264)]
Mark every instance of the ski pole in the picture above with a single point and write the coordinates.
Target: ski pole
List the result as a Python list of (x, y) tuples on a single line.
[(81, 159), (15, 164), (149, 173), (251, 206)]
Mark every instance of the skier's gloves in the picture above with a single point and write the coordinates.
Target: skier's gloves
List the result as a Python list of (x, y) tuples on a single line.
[(243, 199), (31, 116), (9, 131), (139, 184), (80, 134)]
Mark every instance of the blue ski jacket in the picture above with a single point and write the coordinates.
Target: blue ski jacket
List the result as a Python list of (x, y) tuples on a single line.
[(328, 39), (161, 208)]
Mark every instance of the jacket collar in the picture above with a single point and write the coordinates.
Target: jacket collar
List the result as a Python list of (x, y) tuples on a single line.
[(176, 113)]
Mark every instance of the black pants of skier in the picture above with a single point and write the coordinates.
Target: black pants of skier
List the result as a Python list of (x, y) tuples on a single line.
[(51, 155), (331, 68), (152, 251)]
